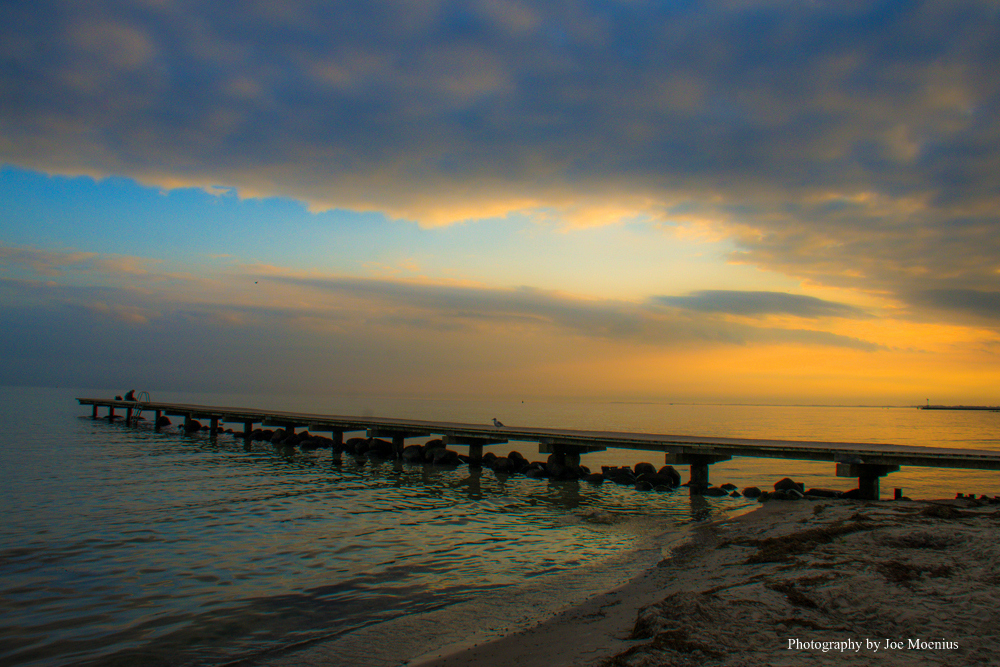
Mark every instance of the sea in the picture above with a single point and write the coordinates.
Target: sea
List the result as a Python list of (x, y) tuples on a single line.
[(121, 545)]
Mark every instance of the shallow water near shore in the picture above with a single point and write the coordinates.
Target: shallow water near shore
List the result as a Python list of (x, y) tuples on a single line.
[(125, 546)]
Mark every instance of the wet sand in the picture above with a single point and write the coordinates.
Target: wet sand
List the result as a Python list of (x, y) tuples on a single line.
[(792, 583)]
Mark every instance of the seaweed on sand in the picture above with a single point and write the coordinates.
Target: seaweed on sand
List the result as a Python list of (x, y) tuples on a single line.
[(782, 548)]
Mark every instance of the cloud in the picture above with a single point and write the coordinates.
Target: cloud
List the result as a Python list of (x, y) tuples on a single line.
[(113, 288), (845, 144), (758, 304), (984, 306), (428, 305)]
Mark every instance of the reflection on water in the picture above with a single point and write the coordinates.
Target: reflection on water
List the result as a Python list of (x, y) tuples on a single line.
[(125, 546)]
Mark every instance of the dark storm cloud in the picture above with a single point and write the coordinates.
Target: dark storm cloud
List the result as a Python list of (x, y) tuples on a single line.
[(854, 144), (756, 304)]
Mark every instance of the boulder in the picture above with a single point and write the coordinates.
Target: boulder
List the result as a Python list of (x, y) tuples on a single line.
[(517, 460), (535, 472), (624, 476), (595, 478), (853, 494), (735, 494), (435, 443), (672, 473), (192, 426), (787, 483), (824, 493), (356, 446), (643, 486), (382, 448), (163, 421), (413, 453), (656, 479), (502, 465), (641, 468), (714, 491), (445, 457), (308, 444), (727, 487), (751, 492)]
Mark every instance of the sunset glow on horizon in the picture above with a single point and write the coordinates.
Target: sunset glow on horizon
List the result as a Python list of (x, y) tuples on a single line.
[(760, 202)]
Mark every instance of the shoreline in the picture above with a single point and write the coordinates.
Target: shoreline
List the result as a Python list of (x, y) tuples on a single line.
[(489, 616), (743, 590)]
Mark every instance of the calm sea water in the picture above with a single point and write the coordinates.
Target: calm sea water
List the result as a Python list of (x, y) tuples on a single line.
[(121, 546)]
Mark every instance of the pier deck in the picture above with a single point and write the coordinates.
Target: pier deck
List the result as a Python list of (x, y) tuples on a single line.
[(866, 461)]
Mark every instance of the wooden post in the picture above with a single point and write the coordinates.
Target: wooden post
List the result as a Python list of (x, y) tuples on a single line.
[(699, 478), (569, 451), (214, 428), (156, 420), (187, 423), (128, 416), (868, 487), (111, 413), (93, 414), (476, 455), (699, 467), (867, 474), (475, 445), (398, 442)]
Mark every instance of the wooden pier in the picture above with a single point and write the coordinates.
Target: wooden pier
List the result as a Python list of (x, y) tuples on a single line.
[(867, 462), (987, 408)]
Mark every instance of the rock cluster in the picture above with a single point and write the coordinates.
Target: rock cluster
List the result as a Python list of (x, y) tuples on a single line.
[(643, 476), (788, 489)]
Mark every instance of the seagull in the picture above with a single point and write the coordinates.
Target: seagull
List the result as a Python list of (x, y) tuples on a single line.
[(497, 422)]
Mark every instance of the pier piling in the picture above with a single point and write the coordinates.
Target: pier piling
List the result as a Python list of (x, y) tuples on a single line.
[(868, 475)]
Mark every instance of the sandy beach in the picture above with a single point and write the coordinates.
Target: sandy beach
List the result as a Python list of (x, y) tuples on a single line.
[(791, 583)]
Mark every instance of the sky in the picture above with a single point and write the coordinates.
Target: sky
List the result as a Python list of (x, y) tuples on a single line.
[(737, 201)]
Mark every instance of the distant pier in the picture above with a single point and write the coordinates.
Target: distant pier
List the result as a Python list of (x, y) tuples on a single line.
[(868, 462), (987, 408)]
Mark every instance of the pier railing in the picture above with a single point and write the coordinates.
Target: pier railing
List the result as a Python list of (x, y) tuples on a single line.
[(866, 461)]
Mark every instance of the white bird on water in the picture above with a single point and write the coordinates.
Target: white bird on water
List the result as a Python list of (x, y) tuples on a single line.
[(497, 422)]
